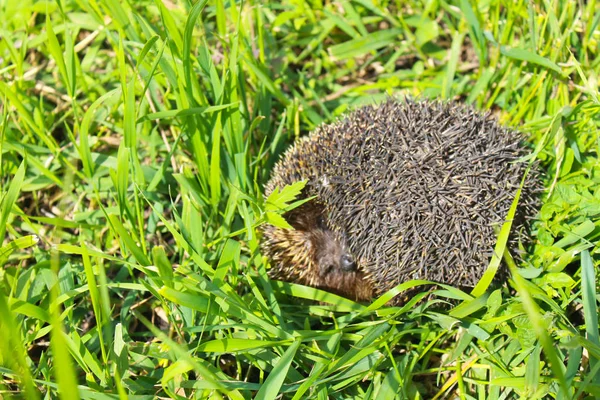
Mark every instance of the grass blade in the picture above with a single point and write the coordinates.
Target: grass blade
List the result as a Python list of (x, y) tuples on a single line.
[(20, 243), (365, 44), (13, 350), (526, 55), (272, 385), (63, 367), (11, 196), (590, 306)]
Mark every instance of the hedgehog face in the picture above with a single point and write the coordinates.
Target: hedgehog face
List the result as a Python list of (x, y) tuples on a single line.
[(331, 253), (320, 255)]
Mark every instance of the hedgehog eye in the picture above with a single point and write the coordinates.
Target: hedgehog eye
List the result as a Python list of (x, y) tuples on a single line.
[(321, 222)]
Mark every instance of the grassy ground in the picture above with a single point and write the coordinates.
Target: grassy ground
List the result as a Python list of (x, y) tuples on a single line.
[(136, 137)]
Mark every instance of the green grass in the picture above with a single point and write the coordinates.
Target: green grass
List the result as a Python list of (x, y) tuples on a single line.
[(136, 137)]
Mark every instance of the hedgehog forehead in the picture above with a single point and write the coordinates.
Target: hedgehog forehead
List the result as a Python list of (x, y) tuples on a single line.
[(327, 240)]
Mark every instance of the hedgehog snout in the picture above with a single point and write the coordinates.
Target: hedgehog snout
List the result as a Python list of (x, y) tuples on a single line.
[(331, 263), (331, 254)]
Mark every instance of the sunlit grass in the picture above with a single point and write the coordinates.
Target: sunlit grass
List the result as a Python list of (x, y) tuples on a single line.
[(136, 137)]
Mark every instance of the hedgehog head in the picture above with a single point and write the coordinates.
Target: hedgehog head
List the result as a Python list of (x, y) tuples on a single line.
[(313, 254)]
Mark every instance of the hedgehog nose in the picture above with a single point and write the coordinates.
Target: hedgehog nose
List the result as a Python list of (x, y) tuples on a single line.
[(347, 263)]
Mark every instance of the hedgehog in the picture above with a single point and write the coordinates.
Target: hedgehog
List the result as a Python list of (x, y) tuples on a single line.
[(407, 189)]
